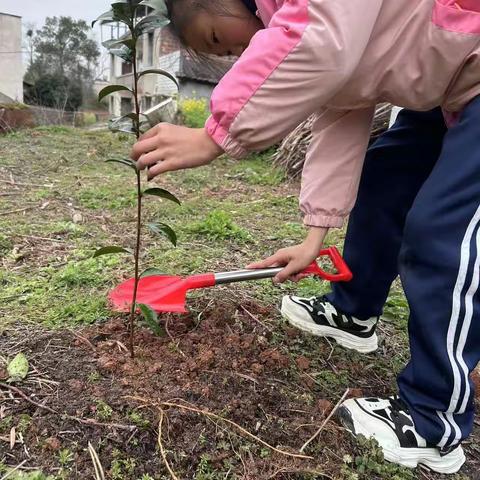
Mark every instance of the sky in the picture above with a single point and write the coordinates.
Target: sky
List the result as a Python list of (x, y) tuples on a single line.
[(36, 11)]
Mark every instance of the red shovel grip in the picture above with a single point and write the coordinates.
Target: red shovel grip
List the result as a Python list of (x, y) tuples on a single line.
[(343, 272)]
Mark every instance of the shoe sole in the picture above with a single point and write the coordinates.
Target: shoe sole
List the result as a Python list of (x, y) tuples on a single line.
[(346, 340), (407, 457)]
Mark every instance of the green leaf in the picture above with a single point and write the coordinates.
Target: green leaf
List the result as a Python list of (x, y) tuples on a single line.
[(122, 11), (110, 250), (18, 368), (124, 41), (159, 71), (159, 6), (160, 192), (126, 123), (112, 89), (104, 18), (122, 51), (151, 319), (150, 272), (150, 23), (123, 161), (164, 230)]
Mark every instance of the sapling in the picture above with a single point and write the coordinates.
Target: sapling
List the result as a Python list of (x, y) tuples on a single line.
[(139, 18)]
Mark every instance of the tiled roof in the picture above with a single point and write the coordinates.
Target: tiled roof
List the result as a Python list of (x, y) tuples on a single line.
[(209, 69)]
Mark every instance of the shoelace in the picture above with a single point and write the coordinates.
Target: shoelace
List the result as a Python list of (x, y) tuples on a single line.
[(398, 405), (319, 301)]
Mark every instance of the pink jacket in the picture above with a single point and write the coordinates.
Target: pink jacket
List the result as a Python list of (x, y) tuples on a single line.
[(338, 59)]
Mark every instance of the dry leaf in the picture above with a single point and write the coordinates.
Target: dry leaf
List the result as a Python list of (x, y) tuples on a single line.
[(13, 437)]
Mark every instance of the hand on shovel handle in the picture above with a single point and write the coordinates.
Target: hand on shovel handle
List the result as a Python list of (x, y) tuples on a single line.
[(343, 273), (166, 293)]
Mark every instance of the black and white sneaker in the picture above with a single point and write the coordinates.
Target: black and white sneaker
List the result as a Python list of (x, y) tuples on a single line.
[(389, 422), (318, 316)]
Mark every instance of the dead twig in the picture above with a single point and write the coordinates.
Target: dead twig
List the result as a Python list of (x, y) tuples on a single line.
[(97, 465), (20, 210), (34, 237), (160, 445), (11, 472), (317, 433), (88, 421), (15, 184), (177, 344), (84, 340), (304, 471), (226, 420), (253, 317)]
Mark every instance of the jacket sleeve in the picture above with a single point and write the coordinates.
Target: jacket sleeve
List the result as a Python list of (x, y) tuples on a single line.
[(290, 70), (332, 170)]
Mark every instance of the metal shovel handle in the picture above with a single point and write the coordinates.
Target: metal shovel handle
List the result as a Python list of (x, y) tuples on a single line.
[(343, 273)]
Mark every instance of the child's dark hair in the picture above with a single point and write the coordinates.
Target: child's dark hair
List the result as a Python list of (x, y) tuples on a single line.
[(182, 12)]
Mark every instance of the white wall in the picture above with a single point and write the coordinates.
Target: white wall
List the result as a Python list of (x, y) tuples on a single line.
[(11, 64)]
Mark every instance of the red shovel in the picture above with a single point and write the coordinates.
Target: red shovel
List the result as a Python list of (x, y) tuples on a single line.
[(165, 293)]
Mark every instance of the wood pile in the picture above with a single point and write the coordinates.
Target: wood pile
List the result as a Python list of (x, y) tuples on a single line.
[(291, 153)]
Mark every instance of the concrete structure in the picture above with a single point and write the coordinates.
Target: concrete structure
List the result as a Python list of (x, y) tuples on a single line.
[(161, 50), (11, 58)]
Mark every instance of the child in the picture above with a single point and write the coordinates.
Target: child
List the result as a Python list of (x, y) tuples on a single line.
[(417, 213)]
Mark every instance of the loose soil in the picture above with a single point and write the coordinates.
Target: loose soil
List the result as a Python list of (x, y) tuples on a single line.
[(224, 361)]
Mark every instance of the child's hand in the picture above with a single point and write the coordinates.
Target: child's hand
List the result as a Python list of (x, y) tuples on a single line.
[(295, 258), (166, 148)]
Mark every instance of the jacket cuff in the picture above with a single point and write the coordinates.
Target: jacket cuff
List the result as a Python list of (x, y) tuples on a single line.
[(323, 221), (224, 140)]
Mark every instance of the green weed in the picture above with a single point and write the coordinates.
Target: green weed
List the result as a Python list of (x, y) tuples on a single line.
[(205, 471), (24, 423), (219, 225), (93, 377), (81, 309), (103, 410), (65, 457), (19, 475), (370, 461), (122, 469), (312, 287), (258, 170), (5, 245), (55, 129), (67, 228), (87, 273), (137, 418), (98, 198), (396, 307)]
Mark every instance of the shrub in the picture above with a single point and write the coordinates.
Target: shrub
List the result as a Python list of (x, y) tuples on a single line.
[(194, 111)]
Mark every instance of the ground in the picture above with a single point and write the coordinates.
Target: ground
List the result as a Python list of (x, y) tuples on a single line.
[(232, 358)]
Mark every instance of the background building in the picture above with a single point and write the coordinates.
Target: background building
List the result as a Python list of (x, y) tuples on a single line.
[(11, 58), (161, 50)]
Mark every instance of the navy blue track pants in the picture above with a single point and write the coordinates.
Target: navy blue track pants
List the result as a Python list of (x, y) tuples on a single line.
[(418, 216)]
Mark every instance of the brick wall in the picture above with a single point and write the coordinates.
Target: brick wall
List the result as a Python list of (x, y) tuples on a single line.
[(168, 42)]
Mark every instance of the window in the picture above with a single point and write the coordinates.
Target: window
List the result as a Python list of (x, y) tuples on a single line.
[(150, 48), (147, 102), (126, 68), (126, 106)]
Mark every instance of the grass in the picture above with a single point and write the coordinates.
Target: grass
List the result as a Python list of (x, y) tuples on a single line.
[(232, 213), (47, 273)]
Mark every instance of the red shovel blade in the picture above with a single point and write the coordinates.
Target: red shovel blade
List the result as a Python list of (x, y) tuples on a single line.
[(162, 293)]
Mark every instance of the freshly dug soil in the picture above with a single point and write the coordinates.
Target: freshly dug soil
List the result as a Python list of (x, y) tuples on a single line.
[(228, 361)]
